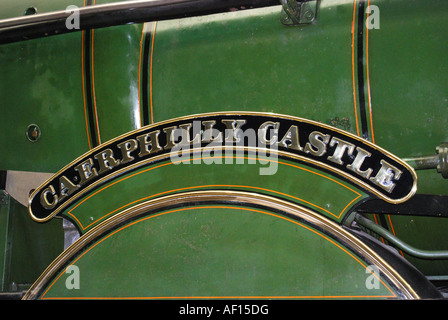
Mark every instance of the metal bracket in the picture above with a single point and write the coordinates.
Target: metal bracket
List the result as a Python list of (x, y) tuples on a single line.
[(442, 165), (438, 161), (419, 253), (296, 12)]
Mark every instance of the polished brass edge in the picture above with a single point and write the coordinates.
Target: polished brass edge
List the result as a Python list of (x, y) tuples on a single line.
[(240, 198)]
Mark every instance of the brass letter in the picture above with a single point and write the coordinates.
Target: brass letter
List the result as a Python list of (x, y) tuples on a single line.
[(44, 198), (232, 129), (319, 141), (185, 134), (126, 148), (66, 187), (291, 139), (357, 163), (211, 134), (385, 175), (263, 130), (86, 170), (153, 142), (106, 160), (170, 137), (340, 149)]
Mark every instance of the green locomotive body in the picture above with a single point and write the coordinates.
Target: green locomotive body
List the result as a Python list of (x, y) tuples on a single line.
[(258, 149)]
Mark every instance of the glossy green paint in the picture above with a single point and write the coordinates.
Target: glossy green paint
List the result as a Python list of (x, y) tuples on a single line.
[(310, 187), (408, 82), (217, 252), (249, 64), (39, 85), (422, 233), (236, 61), (15, 9), (27, 247), (4, 250), (250, 61), (239, 61), (42, 83), (116, 79)]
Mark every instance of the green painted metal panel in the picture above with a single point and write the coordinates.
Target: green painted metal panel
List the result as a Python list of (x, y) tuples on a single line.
[(250, 61), (213, 253), (317, 190), (33, 248), (235, 61), (4, 240), (116, 79), (408, 80), (41, 84), (18, 8), (27, 248), (423, 233)]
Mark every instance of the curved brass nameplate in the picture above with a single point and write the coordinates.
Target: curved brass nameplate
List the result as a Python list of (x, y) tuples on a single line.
[(266, 135)]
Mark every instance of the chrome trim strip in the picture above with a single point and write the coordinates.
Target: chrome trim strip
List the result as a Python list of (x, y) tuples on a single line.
[(118, 13), (235, 197)]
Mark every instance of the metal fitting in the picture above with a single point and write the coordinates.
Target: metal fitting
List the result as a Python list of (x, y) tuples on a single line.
[(442, 166), (439, 161)]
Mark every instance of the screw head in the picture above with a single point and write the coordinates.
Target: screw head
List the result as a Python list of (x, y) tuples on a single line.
[(33, 132), (30, 11), (309, 15)]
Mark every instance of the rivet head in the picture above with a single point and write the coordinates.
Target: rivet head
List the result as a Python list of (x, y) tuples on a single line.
[(33, 132), (30, 11), (309, 15)]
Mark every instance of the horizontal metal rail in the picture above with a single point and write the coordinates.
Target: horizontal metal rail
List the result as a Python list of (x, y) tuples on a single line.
[(424, 162), (422, 254), (428, 205), (118, 13)]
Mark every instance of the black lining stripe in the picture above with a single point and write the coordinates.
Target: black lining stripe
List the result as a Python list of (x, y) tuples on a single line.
[(361, 85), (88, 83), (360, 70), (145, 72), (3, 175), (383, 221)]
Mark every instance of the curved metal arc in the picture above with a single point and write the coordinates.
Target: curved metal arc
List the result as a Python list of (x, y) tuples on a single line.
[(193, 152), (228, 197), (351, 178), (119, 13)]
